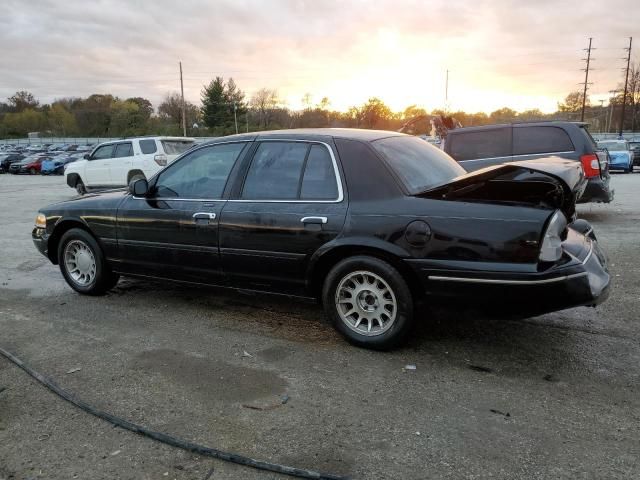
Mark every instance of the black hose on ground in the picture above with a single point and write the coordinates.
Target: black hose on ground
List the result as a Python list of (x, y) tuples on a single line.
[(163, 437)]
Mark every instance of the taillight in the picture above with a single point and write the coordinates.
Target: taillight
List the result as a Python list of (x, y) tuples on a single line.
[(161, 159), (590, 165), (551, 249)]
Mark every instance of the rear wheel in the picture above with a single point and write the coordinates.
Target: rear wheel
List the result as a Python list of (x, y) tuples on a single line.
[(368, 302), (83, 265)]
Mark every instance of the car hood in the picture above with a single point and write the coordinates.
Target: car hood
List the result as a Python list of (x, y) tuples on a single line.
[(106, 199), (549, 183)]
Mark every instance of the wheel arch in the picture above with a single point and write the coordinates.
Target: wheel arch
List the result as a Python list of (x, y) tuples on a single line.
[(324, 261), (60, 228)]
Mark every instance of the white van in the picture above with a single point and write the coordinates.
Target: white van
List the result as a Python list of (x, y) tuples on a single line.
[(116, 163)]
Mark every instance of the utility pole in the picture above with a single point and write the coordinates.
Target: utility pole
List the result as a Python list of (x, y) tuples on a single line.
[(235, 116), (586, 80), (184, 119), (446, 92), (611, 105), (626, 83)]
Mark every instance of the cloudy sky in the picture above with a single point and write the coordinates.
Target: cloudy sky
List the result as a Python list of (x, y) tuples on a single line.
[(522, 54)]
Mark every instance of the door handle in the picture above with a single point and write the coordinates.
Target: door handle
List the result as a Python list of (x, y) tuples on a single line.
[(203, 217), (314, 220)]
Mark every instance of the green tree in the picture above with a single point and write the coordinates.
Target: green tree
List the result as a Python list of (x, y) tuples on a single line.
[(21, 123), (61, 121), (375, 114), (214, 108), (503, 115)]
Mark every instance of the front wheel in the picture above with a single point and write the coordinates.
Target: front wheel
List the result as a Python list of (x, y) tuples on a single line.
[(82, 263), (32, 171), (368, 302), (80, 188)]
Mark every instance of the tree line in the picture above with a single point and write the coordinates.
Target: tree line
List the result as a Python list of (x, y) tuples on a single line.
[(224, 109)]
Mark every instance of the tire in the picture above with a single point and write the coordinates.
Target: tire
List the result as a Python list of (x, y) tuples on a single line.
[(80, 188), (135, 177), (382, 304), (32, 171), (83, 265)]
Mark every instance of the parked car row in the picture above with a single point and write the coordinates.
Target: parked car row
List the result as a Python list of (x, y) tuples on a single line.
[(47, 159)]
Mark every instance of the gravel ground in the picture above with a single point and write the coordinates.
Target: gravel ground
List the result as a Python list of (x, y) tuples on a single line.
[(555, 396)]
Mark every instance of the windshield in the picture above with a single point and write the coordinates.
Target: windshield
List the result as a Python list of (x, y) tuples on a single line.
[(176, 147), (419, 165), (614, 146)]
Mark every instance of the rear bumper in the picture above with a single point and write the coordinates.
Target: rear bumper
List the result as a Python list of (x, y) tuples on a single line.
[(580, 278), (597, 190)]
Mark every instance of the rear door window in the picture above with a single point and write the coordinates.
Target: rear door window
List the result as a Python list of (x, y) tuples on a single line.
[(319, 178), (275, 171), (123, 150), (480, 144), (533, 140)]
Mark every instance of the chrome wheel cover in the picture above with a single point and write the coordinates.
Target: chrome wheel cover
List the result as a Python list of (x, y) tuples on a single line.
[(80, 262), (366, 303)]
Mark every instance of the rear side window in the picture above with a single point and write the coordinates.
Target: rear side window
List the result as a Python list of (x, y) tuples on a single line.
[(176, 147), (275, 171), (531, 140), (148, 146), (480, 144), (123, 150)]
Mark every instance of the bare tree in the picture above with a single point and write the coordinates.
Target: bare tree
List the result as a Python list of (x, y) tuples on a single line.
[(264, 102)]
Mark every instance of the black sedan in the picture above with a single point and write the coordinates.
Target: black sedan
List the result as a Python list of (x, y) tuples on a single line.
[(367, 221)]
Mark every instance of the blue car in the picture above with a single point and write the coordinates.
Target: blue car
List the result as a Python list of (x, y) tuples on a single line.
[(620, 153)]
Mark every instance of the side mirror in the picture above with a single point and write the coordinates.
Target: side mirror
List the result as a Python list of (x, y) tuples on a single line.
[(139, 188), (86, 156)]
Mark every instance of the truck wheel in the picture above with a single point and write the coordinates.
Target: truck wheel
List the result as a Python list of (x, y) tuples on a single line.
[(368, 302), (80, 188)]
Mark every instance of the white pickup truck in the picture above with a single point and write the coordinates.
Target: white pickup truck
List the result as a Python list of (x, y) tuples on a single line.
[(116, 163)]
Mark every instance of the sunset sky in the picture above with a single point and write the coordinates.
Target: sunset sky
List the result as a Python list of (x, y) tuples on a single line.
[(499, 53)]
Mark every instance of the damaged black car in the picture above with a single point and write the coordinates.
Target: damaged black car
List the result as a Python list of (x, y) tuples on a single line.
[(368, 222)]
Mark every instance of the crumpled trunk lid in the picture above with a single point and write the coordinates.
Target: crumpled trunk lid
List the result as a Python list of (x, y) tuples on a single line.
[(551, 183)]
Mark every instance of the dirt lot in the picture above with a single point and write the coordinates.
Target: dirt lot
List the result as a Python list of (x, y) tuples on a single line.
[(556, 396)]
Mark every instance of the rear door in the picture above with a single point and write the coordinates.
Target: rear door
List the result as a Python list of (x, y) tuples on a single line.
[(98, 169), (121, 163), (289, 204), (481, 148)]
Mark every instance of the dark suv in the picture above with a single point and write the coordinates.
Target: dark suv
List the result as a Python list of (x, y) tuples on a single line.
[(479, 147)]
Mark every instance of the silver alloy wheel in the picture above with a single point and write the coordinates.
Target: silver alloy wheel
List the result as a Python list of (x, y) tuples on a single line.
[(366, 303), (80, 262)]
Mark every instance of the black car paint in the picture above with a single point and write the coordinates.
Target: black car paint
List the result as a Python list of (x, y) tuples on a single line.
[(264, 245)]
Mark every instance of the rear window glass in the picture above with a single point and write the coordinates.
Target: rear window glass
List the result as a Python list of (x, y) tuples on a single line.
[(480, 144), (419, 165), (319, 178), (176, 147), (532, 140), (148, 146)]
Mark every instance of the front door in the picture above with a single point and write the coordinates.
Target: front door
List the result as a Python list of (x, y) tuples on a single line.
[(173, 231), (290, 204), (98, 168)]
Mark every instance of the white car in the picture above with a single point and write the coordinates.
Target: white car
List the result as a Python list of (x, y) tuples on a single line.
[(115, 164)]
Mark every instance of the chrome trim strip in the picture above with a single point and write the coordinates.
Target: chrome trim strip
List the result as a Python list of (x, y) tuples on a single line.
[(515, 156), (309, 219), (336, 171), (507, 282)]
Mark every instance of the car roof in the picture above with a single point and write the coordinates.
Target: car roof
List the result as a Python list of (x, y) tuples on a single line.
[(312, 133), (546, 123)]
